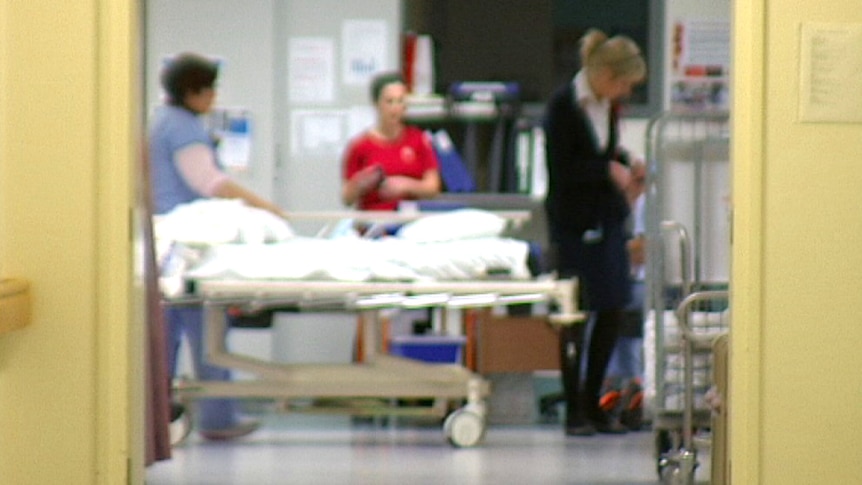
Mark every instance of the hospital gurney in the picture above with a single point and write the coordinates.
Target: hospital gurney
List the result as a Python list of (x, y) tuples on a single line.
[(379, 376), (377, 384)]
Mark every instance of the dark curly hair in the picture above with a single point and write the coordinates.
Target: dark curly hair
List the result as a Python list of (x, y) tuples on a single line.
[(188, 73)]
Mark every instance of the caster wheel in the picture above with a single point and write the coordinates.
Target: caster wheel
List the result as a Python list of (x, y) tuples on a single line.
[(673, 474), (670, 475), (663, 448), (464, 428), (180, 428)]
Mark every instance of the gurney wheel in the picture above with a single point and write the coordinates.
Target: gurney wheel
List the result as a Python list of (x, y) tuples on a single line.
[(675, 472), (671, 474), (464, 428), (664, 446), (180, 428)]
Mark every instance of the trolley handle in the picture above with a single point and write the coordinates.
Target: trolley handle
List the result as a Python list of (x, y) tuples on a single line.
[(685, 252), (683, 310)]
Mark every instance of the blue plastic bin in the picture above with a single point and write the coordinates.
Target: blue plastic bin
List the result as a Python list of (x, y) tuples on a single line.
[(428, 348)]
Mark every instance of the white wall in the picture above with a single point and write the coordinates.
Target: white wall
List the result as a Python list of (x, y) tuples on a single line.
[(242, 34), (310, 179)]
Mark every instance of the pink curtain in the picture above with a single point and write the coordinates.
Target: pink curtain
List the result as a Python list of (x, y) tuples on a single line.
[(157, 409)]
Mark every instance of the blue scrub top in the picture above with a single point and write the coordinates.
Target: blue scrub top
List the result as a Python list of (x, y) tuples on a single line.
[(174, 128)]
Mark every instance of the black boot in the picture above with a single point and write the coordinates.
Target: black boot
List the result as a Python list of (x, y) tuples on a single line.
[(571, 343)]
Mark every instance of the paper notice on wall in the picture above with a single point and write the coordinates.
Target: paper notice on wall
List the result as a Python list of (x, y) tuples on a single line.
[(316, 133), (701, 48), (365, 50), (311, 70), (234, 148), (701, 66), (830, 84)]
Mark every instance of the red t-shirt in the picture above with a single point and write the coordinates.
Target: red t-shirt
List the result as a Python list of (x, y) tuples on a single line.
[(410, 155)]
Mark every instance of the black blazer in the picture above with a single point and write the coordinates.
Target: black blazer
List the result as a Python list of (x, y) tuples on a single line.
[(580, 195)]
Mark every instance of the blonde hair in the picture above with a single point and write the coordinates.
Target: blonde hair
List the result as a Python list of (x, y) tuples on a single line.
[(619, 53)]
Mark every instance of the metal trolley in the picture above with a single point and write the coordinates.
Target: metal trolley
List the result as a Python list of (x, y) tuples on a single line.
[(688, 234)]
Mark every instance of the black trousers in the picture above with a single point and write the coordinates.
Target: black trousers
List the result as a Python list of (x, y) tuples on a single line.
[(582, 399), (602, 268)]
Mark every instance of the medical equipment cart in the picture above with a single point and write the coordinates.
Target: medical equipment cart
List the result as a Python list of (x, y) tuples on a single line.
[(687, 307)]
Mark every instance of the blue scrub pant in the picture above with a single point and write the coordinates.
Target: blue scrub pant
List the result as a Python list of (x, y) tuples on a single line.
[(214, 414), (627, 358)]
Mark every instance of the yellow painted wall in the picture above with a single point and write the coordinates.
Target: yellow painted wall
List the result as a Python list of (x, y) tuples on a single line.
[(67, 119), (796, 415)]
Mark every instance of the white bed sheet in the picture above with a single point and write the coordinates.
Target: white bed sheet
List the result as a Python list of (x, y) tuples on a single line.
[(224, 239), (359, 260)]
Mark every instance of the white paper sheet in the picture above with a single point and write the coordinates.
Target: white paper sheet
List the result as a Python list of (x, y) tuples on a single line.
[(311, 70), (364, 50), (831, 73)]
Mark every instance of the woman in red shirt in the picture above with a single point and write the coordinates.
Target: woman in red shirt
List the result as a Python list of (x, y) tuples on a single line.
[(391, 161)]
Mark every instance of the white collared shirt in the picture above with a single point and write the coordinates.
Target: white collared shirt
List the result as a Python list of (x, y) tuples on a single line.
[(598, 110)]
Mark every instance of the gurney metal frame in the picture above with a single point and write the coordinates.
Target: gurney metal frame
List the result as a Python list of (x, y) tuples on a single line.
[(379, 376)]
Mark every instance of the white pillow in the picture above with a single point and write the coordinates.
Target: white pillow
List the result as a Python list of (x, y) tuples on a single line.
[(453, 225)]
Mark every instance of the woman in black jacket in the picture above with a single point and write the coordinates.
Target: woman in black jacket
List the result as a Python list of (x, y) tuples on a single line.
[(587, 209)]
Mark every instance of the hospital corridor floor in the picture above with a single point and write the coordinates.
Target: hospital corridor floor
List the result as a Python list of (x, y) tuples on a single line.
[(325, 449)]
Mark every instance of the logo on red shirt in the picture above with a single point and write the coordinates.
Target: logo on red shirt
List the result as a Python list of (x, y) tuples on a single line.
[(408, 155)]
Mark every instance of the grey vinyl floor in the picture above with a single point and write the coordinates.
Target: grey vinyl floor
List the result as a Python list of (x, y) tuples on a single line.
[(313, 449)]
